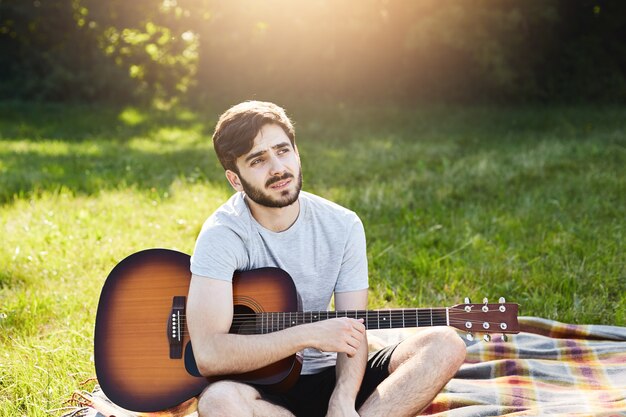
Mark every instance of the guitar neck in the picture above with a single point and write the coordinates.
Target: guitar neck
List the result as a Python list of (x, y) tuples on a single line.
[(372, 319)]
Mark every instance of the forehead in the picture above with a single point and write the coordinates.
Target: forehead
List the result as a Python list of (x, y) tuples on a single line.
[(269, 136)]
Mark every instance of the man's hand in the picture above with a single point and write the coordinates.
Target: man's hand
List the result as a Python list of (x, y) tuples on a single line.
[(342, 335)]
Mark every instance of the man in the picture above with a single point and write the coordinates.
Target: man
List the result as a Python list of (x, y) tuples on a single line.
[(270, 222)]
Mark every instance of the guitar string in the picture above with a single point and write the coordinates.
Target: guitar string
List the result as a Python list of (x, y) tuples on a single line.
[(238, 319), (276, 326), (344, 313), (301, 319)]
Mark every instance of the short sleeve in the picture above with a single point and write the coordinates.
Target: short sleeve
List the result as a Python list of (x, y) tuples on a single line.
[(219, 252), (353, 275)]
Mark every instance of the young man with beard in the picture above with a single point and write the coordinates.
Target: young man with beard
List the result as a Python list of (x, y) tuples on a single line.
[(271, 222)]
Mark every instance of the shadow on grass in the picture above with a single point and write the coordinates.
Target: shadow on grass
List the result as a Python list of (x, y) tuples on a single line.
[(87, 149), (82, 122), (113, 167)]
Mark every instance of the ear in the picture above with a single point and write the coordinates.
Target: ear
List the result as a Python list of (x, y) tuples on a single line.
[(234, 180)]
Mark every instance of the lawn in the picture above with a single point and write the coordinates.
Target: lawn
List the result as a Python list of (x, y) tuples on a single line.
[(524, 202)]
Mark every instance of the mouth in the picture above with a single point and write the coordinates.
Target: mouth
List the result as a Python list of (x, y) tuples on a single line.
[(280, 184)]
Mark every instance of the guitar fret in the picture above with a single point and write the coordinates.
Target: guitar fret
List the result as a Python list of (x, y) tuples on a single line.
[(410, 316), (386, 317), (440, 318), (397, 319), (424, 317)]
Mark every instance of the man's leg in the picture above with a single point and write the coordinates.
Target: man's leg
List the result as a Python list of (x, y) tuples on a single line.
[(234, 399), (419, 368)]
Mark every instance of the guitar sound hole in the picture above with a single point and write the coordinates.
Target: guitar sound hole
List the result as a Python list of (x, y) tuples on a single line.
[(244, 320)]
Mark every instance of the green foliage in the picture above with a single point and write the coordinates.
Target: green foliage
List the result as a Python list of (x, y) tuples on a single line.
[(450, 50), (46, 55), (86, 50), (149, 40)]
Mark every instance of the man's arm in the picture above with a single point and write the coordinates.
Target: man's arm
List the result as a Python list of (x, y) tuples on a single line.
[(209, 317), (349, 370)]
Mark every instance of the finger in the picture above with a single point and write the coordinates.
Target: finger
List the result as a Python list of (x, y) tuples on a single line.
[(354, 342), (350, 352), (358, 325), (356, 332)]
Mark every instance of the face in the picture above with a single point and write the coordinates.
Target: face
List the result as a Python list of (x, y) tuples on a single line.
[(270, 173)]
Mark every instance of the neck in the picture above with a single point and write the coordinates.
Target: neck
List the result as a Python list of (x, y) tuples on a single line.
[(275, 219), (372, 319)]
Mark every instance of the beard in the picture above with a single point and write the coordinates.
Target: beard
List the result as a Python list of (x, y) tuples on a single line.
[(260, 197)]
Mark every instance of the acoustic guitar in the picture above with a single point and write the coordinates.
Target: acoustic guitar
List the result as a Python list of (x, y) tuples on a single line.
[(143, 355)]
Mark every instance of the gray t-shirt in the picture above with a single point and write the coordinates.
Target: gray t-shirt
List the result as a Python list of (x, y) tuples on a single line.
[(323, 251)]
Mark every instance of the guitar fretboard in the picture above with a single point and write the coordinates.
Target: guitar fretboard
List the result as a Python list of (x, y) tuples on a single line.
[(373, 319)]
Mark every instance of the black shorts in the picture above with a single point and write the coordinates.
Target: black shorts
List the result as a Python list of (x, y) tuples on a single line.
[(309, 397)]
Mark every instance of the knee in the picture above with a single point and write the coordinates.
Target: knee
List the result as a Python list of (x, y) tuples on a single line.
[(448, 345), (226, 399), (455, 345)]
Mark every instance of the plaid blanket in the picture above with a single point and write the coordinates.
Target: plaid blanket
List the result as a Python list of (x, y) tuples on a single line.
[(549, 368)]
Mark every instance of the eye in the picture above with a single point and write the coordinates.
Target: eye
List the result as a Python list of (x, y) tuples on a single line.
[(256, 161), (283, 150)]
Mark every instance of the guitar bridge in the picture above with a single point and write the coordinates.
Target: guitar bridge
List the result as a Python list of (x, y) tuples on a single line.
[(176, 327)]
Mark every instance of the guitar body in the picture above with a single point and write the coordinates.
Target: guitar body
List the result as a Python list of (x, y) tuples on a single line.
[(135, 337)]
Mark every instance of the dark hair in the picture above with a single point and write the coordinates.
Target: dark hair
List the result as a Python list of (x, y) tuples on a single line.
[(238, 126)]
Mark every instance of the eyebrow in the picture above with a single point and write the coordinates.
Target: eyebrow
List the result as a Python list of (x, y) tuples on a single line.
[(256, 154)]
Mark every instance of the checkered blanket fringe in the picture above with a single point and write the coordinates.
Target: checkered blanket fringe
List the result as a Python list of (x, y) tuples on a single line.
[(550, 368)]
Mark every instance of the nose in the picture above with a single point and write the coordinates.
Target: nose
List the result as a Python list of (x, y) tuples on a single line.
[(276, 166)]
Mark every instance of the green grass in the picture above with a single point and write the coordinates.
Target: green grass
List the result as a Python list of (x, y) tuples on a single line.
[(527, 203)]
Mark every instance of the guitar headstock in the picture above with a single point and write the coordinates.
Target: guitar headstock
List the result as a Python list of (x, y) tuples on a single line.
[(485, 318)]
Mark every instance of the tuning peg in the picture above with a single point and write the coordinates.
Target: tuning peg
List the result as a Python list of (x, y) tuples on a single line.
[(469, 336), (485, 300), (467, 300), (501, 300), (487, 338), (505, 338)]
